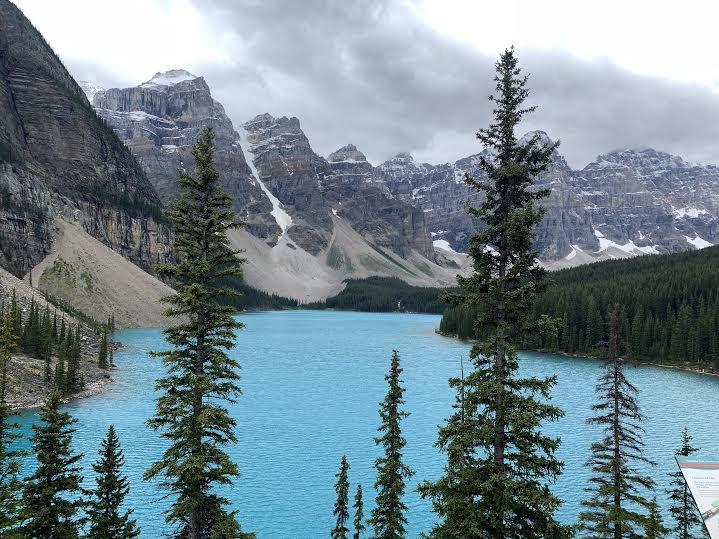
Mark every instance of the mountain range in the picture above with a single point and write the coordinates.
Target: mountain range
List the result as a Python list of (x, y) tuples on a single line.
[(314, 221), (85, 172)]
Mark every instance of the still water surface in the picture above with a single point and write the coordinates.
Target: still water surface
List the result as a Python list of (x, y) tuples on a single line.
[(311, 384)]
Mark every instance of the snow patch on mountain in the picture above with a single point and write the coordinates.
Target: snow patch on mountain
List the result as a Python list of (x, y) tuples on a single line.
[(698, 242), (630, 247), (90, 89), (681, 213), (283, 219), (169, 78)]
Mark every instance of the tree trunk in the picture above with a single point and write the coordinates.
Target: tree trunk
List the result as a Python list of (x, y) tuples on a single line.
[(617, 455), (500, 362)]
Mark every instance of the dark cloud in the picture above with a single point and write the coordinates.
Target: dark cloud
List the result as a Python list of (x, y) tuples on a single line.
[(371, 73)]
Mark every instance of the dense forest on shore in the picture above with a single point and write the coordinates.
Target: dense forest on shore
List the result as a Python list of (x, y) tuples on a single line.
[(384, 294), (671, 307)]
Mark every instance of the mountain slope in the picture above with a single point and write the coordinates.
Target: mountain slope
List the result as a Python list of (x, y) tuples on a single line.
[(625, 203), (83, 272), (312, 222), (59, 159)]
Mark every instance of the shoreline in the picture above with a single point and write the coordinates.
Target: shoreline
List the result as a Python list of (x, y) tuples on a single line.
[(685, 368)]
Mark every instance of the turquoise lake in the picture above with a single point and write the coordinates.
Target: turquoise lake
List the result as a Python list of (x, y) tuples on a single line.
[(312, 381)]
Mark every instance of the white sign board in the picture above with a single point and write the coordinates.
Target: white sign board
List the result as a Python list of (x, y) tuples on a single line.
[(702, 477)]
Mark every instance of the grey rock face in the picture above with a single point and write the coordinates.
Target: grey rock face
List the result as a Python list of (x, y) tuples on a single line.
[(627, 203), (161, 119), (57, 158)]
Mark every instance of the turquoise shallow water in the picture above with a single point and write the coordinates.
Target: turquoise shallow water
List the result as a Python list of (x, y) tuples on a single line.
[(312, 381)]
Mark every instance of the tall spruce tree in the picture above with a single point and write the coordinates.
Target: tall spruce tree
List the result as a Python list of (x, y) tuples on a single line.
[(688, 523), (617, 508), (105, 514), (500, 467), (359, 526), (9, 458), (50, 499), (654, 528), (102, 354), (201, 378), (388, 516), (341, 510)]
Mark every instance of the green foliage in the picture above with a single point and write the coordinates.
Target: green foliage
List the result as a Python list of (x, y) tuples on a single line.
[(617, 507), (6, 153), (9, 458), (50, 501), (248, 298), (654, 529), (38, 337), (201, 377), (102, 360), (388, 517), (104, 511), (341, 510), (672, 307), (499, 465), (359, 526), (688, 523), (384, 294)]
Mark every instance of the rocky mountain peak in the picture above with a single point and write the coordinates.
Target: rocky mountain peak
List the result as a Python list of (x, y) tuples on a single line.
[(169, 78), (91, 89), (347, 153), (644, 159), (541, 136)]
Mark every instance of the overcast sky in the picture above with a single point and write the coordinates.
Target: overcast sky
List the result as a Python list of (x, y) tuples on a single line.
[(395, 75)]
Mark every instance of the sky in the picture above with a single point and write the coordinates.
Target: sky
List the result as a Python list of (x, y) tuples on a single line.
[(414, 75)]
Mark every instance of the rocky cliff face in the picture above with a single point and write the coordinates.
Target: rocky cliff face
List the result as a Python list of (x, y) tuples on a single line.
[(280, 185), (161, 119), (58, 158), (625, 203)]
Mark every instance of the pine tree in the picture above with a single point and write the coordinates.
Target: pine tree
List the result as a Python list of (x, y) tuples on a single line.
[(688, 523), (9, 458), (613, 511), (341, 510), (102, 356), (50, 495), (104, 511), (388, 517), (73, 379), (500, 467), (60, 378), (201, 377), (359, 514), (654, 528)]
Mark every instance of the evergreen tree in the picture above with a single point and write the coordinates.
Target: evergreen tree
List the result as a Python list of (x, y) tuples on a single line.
[(60, 378), (688, 523), (102, 356), (388, 517), (50, 499), (613, 511), (201, 377), (341, 510), (73, 379), (359, 514), (104, 511), (9, 458), (654, 528), (500, 467), (16, 316)]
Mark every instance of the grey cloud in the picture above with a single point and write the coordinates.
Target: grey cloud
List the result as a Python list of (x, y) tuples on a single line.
[(372, 74)]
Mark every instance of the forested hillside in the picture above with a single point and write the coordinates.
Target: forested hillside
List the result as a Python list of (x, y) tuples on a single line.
[(384, 294), (671, 306)]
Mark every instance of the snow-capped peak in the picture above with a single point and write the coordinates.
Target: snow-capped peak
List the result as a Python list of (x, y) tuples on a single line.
[(169, 78), (90, 89)]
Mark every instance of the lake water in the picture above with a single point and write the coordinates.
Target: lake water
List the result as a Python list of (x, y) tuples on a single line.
[(312, 381)]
